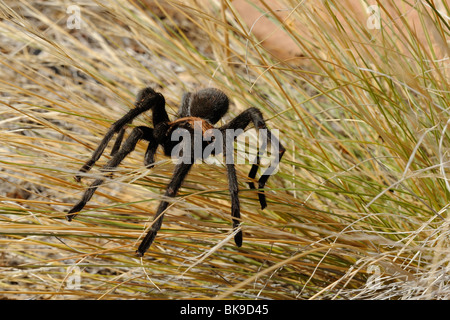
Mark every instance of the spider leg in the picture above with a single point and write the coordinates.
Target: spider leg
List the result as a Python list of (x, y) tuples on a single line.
[(180, 173), (184, 107), (241, 122), (253, 171), (235, 206), (234, 190), (149, 157), (137, 134), (146, 100), (118, 141), (269, 171)]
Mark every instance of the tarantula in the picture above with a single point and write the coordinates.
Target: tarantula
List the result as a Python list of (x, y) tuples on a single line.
[(197, 114)]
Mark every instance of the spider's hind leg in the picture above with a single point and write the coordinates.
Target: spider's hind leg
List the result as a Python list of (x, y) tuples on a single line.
[(118, 142), (146, 99), (137, 134)]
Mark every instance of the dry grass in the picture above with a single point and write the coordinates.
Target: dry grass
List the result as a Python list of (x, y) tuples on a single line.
[(357, 210)]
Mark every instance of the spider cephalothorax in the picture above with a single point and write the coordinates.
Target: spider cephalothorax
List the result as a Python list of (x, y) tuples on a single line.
[(197, 115)]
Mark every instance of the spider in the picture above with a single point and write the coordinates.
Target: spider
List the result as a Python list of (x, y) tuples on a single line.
[(197, 114)]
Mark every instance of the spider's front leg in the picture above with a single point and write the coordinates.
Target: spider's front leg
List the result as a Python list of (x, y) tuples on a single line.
[(180, 172), (235, 206), (241, 122), (137, 134)]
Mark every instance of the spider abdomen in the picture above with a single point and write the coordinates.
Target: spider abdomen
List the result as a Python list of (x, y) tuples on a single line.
[(210, 104)]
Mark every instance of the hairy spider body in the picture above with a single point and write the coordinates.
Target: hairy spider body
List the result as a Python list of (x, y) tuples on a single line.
[(197, 115)]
